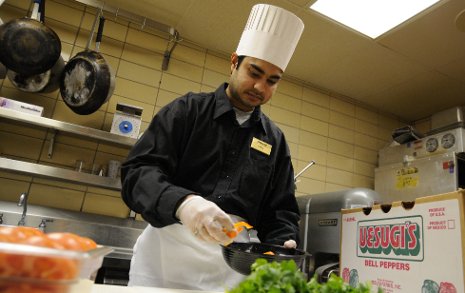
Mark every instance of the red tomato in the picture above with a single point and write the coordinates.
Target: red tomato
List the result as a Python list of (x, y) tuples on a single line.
[(10, 234), (67, 240), (42, 267), (30, 231), (88, 243), (39, 267), (43, 241)]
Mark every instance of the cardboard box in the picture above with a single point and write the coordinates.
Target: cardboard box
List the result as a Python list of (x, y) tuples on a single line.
[(406, 249), (21, 107)]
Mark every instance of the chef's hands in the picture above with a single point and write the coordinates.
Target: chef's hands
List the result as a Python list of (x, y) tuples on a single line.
[(205, 219), (290, 244), (208, 222)]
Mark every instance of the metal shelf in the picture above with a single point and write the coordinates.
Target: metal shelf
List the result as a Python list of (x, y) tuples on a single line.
[(59, 174), (56, 173), (86, 132)]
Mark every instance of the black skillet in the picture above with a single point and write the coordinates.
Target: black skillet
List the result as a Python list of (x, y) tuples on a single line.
[(87, 81), (28, 46), (44, 82)]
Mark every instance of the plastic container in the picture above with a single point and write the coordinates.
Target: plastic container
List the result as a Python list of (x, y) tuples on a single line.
[(33, 269)]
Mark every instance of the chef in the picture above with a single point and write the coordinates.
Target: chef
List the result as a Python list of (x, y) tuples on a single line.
[(208, 160)]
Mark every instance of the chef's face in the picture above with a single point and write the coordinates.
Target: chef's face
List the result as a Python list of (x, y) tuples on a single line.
[(252, 83)]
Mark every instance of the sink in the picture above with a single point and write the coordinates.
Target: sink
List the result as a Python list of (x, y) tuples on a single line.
[(120, 234)]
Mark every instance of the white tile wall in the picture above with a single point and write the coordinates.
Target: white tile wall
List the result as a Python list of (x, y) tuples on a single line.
[(343, 138)]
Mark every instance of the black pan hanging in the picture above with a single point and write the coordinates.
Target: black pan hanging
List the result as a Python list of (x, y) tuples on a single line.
[(87, 81), (45, 82), (28, 46)]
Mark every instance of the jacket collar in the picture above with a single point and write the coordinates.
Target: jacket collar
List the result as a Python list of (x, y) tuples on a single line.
[(223, 106)]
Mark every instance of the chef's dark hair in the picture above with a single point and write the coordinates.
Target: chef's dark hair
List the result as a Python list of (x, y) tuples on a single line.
[(239, 60)]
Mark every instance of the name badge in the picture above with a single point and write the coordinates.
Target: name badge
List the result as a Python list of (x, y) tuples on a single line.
[(261, 146)]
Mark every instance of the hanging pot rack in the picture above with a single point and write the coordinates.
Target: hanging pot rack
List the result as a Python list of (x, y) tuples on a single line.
[(143, 22)]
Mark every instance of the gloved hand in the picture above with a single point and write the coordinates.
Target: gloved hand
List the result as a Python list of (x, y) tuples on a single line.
[(205, 219), (290, 244)]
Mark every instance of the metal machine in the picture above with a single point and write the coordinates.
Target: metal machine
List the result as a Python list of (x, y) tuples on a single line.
[(431, 165), (320, 226)]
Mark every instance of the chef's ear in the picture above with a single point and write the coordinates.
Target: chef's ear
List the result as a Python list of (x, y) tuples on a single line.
[(234, 61)]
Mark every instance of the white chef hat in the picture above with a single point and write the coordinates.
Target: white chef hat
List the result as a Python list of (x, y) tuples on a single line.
[(271, 34)]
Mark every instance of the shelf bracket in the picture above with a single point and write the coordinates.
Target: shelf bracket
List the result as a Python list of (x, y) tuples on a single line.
[(51, 144)]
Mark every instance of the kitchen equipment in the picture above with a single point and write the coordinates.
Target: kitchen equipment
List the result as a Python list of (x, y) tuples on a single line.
[(114, 168), (421, 177), (320, 226), (45, 82), (28, 46), (447, 119), (240, 256), (87, 81), (406, 134), (127, 120), (431, 145), (428, 166), (79, 166)]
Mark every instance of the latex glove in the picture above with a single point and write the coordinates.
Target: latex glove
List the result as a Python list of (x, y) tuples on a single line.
[(205, 219), (290, 244)]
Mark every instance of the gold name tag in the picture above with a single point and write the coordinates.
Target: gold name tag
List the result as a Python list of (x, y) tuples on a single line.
[(261, 146)]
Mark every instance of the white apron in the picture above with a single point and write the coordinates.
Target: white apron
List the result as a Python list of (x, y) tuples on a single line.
[(171, 257)]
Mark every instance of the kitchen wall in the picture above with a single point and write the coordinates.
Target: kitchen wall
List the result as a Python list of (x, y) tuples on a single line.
[(343, 137)]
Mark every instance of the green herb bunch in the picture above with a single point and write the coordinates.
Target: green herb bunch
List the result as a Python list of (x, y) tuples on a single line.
[(284, 277)]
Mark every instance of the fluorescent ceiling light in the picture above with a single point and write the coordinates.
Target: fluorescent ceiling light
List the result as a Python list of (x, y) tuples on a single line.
[(371, 17)]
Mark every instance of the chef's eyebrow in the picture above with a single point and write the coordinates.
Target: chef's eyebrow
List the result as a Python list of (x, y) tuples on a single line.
[(275, 77)]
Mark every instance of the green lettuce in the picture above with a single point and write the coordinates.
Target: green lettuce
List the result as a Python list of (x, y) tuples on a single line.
[(285, 277)]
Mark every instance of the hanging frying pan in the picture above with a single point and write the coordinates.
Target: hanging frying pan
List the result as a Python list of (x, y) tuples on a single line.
[(87, 81), (28, 46), (45, 82)]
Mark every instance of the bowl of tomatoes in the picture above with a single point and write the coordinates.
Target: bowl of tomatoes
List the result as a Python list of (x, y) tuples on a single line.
[(34, 262)]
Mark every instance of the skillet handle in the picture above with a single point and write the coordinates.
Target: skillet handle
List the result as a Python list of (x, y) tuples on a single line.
[(35, 10), (98, 39), (42, 11)]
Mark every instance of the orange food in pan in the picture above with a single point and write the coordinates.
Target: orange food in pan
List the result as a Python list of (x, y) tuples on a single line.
[(239, 226), (269, 253)]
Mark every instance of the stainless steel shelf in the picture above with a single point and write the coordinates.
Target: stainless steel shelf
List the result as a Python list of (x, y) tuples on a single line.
[(86, 132), (59, 174)]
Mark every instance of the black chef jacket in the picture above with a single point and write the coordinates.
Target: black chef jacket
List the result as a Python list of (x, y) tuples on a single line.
[(194, 145)]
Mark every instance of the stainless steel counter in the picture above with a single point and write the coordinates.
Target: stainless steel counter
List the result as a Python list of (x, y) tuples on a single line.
[(87, 287)]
